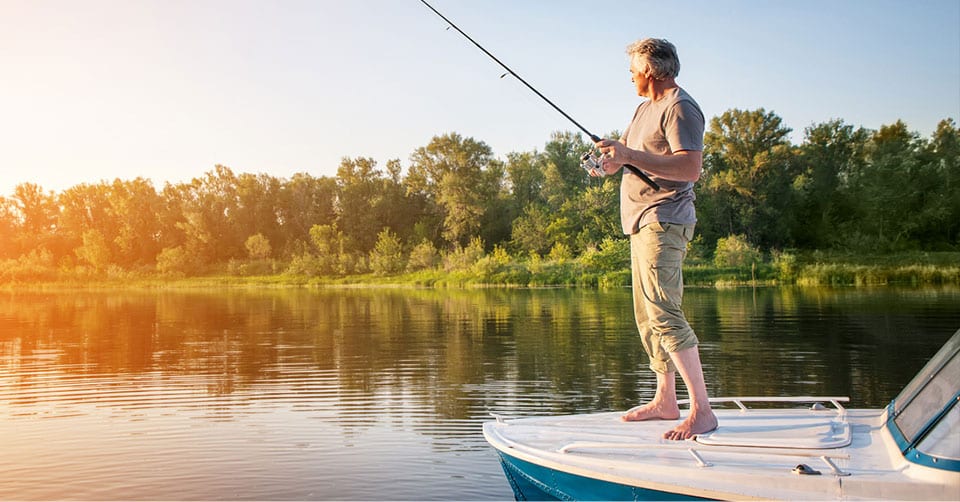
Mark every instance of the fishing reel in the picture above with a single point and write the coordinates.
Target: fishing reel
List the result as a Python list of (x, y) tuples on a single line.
[(592, 162)]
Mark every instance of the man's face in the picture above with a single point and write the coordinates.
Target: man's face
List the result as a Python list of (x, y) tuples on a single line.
[(640, 81)]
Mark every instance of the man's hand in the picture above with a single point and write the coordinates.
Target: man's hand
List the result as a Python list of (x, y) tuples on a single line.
[(611, 154)]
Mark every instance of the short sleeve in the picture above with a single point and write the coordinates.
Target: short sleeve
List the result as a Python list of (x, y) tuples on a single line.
[(683, 126)]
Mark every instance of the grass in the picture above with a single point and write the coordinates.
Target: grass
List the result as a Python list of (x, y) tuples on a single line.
[(806, 269), (847, 269)]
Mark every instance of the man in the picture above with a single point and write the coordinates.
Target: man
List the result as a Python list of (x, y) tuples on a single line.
[(664, 139)]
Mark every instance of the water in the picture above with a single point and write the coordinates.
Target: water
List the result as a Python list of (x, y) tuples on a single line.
[(380, 394)]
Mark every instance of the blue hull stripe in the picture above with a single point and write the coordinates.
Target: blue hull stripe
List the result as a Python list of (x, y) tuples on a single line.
[(534, 482)]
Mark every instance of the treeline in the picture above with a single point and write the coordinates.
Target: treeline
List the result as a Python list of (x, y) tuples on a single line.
[(843, 188)]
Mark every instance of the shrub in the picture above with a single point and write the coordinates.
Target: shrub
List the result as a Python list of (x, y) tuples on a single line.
[(556, 274), (613, 255), (735, 251), (305, 264), (560, 252), (423, 256), (38, 265), (330, 258), (258, 247), (497, 261), (616, 279), (698, 251), (387, 254), (94, 250), (785, 265), (352, 263), (176, 261), (463, 258)]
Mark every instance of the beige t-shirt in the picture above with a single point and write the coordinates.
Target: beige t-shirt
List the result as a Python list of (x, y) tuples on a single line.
[(672, 123)]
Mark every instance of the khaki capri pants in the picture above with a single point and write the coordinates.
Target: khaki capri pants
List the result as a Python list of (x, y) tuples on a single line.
[(656, 254)]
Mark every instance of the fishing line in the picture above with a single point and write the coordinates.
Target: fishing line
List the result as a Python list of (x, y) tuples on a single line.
[(646, 179)]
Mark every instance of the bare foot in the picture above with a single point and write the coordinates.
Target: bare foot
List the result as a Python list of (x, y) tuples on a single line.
[(696, 423), (652, 411)]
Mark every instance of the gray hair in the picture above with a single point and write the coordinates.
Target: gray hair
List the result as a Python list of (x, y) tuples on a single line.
[(658, 57)]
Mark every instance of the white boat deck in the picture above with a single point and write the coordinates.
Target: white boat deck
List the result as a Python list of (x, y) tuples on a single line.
[(753, 453)]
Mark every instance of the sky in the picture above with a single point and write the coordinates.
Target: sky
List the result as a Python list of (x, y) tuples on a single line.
[(98, 90)]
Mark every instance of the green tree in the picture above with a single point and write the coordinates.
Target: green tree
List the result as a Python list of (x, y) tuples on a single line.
[(38, 212), (495, 223), (95, 250), (889, 186), (529, 230), (304, 201), (596, 211), (525, 179), (462, 206), (258, 207), (944, 153), (9, 228), (830, 153), (85, 208), (359, 197), (449, 175), (932, 211), (331, 257), (207, 208), (394, 208), (135, 206), (562, 172), (746, 182), (556, 200), (398, 211)]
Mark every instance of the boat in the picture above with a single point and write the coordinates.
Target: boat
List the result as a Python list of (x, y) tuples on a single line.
[(770, 448)]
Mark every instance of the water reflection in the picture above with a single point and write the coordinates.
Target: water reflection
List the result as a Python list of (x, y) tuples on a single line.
[(306, 394)]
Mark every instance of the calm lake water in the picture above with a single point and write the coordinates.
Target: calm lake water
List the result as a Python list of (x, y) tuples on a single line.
[(380, 394)]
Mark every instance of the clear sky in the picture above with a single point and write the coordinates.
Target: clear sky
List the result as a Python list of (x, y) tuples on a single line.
[(101, 89)]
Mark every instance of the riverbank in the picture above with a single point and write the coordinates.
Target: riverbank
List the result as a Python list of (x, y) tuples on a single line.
[(803, 269)]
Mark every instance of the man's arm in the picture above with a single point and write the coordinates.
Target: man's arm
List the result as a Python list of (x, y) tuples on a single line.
[(682, 165)]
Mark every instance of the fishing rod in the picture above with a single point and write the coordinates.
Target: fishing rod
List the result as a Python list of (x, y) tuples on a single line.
[(646, 179)]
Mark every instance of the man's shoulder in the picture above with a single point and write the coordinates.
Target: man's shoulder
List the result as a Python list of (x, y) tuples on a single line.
[(682, 96), (682, 104)]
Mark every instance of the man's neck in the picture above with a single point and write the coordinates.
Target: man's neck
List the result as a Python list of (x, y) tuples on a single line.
[(661, 87)]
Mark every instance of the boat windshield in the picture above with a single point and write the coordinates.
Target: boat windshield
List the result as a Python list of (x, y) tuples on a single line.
[(927, 408), (941, 441)]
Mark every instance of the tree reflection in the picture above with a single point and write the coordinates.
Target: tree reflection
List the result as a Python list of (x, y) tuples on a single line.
[(358, 357)]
